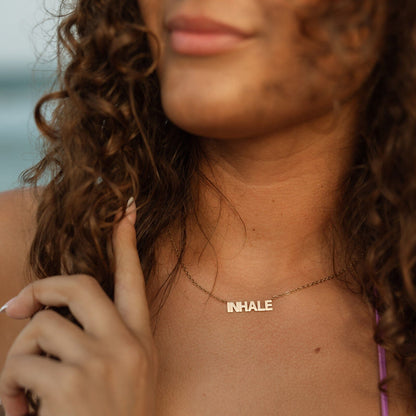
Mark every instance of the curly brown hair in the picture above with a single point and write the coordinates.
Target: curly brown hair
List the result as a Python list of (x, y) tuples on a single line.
[(107, 138)]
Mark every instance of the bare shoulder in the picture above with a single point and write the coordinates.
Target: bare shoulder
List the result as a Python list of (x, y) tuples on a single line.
[(17, 227)]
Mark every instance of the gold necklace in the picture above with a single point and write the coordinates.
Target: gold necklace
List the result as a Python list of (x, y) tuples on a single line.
[(250, 305)]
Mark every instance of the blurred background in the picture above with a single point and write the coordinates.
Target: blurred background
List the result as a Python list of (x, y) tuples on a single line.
[(27, 69)]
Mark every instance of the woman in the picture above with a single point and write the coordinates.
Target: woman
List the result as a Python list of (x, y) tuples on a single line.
[(268, 150)]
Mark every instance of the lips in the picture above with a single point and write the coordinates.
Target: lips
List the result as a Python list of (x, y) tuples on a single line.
[(199, 35)]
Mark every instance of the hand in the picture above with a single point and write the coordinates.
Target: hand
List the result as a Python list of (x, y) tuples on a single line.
[(107, 368)]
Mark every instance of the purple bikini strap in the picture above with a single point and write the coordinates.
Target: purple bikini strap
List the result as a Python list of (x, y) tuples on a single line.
[(382, 373)]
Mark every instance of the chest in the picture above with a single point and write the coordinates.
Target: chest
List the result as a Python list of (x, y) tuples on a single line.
[(294, 360)]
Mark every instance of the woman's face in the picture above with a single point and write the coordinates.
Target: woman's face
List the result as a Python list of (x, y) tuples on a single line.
[(246, 81)]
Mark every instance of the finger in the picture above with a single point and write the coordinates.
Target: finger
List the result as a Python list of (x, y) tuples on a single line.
[(51, 333), (38, 374), (129, 286), (18, 406), (82, 294)]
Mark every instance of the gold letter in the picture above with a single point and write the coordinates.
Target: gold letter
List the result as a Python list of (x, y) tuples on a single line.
[(233, 306)]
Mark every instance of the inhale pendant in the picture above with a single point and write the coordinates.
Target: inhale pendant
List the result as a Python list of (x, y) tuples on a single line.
[(250, 306)]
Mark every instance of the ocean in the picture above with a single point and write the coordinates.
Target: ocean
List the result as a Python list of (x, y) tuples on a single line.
[(19, 143)]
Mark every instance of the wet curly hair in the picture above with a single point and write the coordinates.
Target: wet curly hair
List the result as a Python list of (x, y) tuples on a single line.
[(107, 138)]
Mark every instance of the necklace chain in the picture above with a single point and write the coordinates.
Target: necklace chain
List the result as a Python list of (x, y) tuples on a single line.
[(286, 293)]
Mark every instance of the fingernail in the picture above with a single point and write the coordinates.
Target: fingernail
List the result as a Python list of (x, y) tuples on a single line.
[(4, 307), (129, 202), (131, 211)]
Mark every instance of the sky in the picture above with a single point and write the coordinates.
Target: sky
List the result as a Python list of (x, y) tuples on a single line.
[(22, 33), (22, 38)]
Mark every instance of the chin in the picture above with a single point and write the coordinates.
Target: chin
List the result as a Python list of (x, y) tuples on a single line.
[(227, 120), (201, 117), (233, 109)]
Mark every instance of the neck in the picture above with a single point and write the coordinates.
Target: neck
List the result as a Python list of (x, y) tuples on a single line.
[(281, 192)]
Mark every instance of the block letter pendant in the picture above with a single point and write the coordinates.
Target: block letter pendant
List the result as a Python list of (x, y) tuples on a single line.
[(249, 306)]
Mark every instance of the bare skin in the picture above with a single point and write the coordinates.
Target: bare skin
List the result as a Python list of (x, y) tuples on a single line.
[(314, 353), (279, 156), (210, 363), (16, 232)]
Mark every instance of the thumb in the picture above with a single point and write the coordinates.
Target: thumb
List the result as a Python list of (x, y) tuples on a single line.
[(129, 284)]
